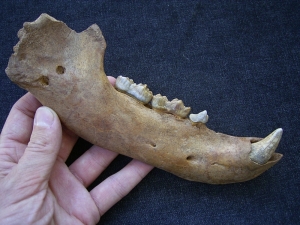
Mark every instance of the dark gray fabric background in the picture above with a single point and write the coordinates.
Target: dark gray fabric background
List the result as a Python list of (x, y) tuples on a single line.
[(239, 60)]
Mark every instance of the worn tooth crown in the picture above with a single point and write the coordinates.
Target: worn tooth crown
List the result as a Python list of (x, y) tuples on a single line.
[(175, 107), (159, 102), (263, 150), (138, 91), (123, 83), (201, 117)]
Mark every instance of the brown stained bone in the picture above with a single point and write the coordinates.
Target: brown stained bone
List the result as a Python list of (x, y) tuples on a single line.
[(64, 70)]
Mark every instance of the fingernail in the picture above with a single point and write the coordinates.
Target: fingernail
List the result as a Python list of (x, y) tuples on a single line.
[(44, 117)]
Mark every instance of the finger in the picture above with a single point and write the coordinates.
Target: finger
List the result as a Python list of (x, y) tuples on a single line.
[(20, 120), (39, 156), (91, 164), (16, 132), (115, 187), (112, 80), (71, 195)]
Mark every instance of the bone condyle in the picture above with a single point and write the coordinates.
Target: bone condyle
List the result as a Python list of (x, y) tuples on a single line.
[(64, 70)]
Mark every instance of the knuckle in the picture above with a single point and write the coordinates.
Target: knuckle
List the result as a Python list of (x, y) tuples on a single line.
[(38, 143)]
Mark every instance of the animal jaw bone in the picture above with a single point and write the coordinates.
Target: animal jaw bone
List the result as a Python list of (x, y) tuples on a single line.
[(87, 104)]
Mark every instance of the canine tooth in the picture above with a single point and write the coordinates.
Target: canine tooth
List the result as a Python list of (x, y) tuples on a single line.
[(123, 83), (201, 117), (263, 150)]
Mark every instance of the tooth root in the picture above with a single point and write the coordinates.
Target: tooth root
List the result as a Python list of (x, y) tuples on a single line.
[(201, 117), (263, 150)]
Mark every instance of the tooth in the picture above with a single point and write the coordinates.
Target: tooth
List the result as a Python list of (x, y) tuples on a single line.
[(159, 102), (262, 151), (123, 83), (201, 117), (174, 107), (138, 91)]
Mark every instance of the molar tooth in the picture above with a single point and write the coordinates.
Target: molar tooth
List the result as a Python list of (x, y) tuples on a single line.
[(123, 83), (201, 117), (140, 92), (263, 150)]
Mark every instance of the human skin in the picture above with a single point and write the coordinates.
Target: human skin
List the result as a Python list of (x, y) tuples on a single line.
[(37, 187)]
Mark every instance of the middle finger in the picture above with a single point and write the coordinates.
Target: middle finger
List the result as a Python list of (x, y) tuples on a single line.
[(91, 164)]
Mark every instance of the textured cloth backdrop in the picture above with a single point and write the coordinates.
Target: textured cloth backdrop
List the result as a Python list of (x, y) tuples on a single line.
[(239, 60)]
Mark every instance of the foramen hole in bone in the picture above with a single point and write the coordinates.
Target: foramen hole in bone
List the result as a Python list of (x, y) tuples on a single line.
[(60, 69), (44, 81)]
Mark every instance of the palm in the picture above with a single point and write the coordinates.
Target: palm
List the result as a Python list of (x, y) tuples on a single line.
[(72, 203), (60, 195)]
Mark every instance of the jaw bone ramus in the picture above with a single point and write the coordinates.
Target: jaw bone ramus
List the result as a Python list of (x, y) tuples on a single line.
[(64, 70)]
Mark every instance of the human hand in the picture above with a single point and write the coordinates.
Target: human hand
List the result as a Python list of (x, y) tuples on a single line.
[(37, 187)]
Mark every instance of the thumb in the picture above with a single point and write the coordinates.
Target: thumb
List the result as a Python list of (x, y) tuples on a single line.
[(45, 141)]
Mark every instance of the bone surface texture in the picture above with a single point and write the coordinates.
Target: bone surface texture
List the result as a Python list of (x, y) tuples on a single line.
[(64, 71)]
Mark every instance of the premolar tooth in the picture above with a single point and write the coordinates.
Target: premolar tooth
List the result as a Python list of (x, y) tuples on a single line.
[(175, 107), (263, 150), (159, 102), (201, 117), (138, 91)]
